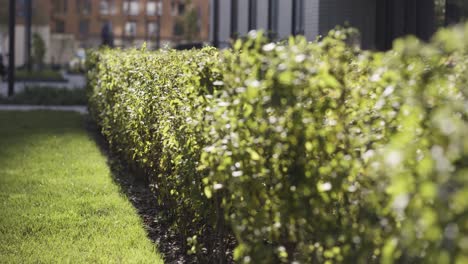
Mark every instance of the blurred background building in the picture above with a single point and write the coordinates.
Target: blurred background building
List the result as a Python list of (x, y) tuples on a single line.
[(69, 26), (64, 28), (379, 21)]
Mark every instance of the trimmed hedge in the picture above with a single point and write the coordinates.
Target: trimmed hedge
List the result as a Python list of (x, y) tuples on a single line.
[(306, 152)]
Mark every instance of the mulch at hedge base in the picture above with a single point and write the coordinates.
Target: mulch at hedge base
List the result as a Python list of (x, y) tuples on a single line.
[(157, 223)]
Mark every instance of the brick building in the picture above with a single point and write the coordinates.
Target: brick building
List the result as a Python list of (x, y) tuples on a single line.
[(131, 21), (68, 25)]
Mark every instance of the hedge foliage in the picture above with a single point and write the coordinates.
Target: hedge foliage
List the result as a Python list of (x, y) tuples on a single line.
[(306, 152), (158, 132)]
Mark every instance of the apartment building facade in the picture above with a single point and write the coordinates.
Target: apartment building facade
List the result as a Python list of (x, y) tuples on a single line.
[(131, 22), (69, 25)]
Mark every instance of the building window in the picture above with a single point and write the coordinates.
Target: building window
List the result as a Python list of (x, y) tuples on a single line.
[(181, 9), (107, 7), (59, 26), (83, 6), (84, 27), (173, 8), (130, 29), (151, 8), (152, 29), (178, 28), (154, 8), (131, 7), (20, 8), (60, 6)]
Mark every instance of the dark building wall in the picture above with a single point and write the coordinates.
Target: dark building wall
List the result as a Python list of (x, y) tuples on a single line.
[(456, 11), (360, 14), (396, 18), (380, 22)]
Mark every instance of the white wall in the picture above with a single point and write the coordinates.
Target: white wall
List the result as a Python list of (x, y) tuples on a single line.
[(20, 43), (44, 32), (63, 47)]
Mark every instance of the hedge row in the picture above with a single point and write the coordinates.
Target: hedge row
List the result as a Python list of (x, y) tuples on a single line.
[(307, 152)]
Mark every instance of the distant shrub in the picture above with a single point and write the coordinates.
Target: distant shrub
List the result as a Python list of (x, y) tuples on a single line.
[(42, 75), (38, 50), (306, 152)]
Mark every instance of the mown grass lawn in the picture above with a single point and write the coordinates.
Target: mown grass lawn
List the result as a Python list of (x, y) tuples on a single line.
[(58, 202)]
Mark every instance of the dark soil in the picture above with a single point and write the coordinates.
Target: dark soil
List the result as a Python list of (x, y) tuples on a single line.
[(143, 199), (156, 222)]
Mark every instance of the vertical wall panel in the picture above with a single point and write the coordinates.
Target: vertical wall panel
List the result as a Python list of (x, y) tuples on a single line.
[(243, 17), (262, 15), (311, 20), (210, 22), (360, 14), (224, 22), (284, 18)]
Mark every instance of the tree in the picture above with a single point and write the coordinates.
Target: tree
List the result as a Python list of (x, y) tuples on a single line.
[(191, 28), (38, 49)]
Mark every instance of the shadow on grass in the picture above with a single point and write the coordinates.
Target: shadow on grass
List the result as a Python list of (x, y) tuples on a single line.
[(156, 222)]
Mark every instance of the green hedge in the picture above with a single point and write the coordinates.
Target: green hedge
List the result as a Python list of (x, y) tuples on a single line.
[(308, 152)]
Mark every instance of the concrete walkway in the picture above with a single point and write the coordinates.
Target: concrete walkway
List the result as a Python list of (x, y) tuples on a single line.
[(74, 108)]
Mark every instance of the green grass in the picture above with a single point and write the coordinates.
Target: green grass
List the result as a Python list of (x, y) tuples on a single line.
[(47, 96), (58, 202)]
